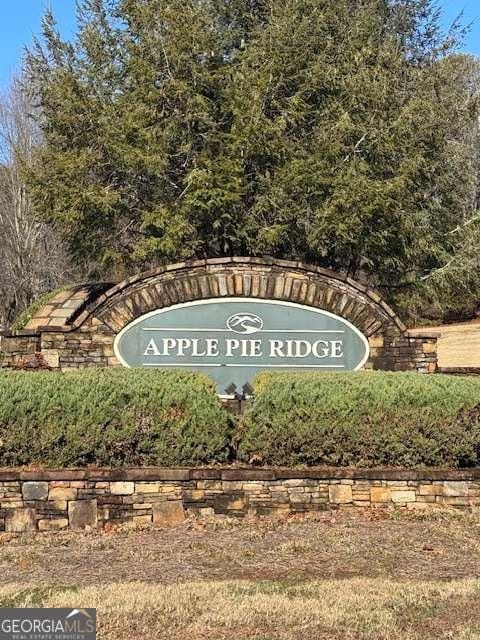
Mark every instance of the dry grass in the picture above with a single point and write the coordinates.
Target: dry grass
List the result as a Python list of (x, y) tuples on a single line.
[(459, 344), (343, 578), (358, 608)]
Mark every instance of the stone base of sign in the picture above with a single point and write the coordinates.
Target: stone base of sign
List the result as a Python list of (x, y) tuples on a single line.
[(88, 499), (77, 328)]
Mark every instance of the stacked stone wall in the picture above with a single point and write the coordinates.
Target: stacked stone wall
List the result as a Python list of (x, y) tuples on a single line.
[(79, 499)]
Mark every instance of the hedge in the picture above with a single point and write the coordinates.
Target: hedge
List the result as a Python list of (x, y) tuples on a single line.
[(362, 419), (111, 417), (120, 417)]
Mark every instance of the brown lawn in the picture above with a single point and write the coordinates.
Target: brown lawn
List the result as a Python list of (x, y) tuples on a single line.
[(330, 577), (458, 345)]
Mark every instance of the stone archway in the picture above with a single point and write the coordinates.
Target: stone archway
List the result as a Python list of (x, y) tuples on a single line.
[(77, 328)]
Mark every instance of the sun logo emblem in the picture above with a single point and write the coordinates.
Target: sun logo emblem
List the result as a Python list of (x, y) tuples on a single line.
[(244, 323)]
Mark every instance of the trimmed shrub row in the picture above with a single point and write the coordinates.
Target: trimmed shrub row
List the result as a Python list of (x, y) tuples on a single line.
[(111, 417), (363, 419), (118, 417)]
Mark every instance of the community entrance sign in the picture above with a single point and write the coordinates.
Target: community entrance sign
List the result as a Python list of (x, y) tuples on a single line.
[(232, 339), (230, 317)]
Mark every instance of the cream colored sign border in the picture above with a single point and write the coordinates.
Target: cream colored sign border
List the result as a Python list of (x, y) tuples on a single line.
[(283, 303)]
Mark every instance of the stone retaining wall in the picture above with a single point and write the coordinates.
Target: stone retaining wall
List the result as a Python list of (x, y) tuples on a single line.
[(82, 499)]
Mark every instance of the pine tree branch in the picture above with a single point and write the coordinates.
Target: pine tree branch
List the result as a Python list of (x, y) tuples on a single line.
[(465, 224), (355, 148), (437, 271)]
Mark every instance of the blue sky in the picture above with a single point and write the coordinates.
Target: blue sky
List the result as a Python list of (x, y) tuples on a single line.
[(20, 21)]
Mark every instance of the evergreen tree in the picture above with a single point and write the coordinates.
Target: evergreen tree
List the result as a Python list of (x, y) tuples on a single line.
[(332, 131)]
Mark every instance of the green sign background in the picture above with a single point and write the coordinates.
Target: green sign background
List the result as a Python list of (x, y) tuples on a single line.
[(232, 339)]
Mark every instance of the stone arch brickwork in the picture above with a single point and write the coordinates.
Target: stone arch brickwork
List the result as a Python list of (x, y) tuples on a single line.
[(77, 327)]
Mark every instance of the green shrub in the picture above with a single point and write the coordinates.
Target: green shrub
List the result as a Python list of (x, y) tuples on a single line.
[(120, 417), (362, 419), (111, 417)]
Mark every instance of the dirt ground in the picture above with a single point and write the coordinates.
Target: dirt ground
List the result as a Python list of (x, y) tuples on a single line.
[(436, 547), (333, 576)]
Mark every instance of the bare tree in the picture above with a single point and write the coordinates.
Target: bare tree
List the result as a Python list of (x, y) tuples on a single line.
[(32, 257)]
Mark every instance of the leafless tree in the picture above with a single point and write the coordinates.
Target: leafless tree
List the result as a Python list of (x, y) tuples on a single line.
[(32, 257)]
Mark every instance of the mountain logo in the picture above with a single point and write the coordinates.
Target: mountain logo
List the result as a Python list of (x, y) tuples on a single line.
[(76, 612), (244, 323)]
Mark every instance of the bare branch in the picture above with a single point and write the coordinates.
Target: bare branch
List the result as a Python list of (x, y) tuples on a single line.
[(32, 258)]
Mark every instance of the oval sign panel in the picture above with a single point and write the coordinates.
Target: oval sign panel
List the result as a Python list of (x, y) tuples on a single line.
[(232, 339)]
